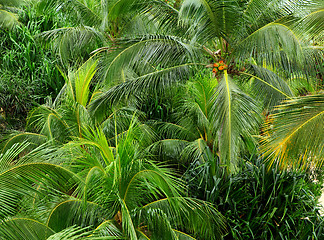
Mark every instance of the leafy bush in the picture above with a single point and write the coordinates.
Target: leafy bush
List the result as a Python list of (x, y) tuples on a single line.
[(28, 71), (259, 203)]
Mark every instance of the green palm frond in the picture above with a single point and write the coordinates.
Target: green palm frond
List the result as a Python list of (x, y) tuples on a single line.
[(18, 180), (24, 228), (156, 82), (48, 122), (72, 233), (147, 53), (85, 12), (208, 19), (168, 149), (154, 13), (108, 228), (79, 82), (296, 138), (183, 236), (268, 86), (74, 212), (284, 42), (151, 64), (34, 140), (236, 118), (312, 24), (301, 85), (74, 42), (196, 216), (8, 19), (11, 3), (198, 152)]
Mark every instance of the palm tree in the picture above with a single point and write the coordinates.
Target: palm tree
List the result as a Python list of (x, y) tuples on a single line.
[(265, 49), (257, 32)]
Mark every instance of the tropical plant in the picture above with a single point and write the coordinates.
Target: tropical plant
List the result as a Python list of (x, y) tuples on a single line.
[(226, 33), (228, 37), (107, 183), (261, 203)]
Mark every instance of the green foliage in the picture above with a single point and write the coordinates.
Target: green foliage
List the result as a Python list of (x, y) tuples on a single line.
[(262, 204), (28, 71), (136, 141)]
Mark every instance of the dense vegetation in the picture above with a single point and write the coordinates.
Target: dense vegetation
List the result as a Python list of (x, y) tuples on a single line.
[(153, 119)]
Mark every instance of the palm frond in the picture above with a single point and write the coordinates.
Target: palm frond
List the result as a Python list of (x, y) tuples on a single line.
[(236, 118), (74, 212), (73, 43), (8, 19), (18, 180), (209, 19), (79, 82), (312, 25), (71, 233), (34, 140), (296, 137), (49, 122), (194, 215), (276, 42), (84, 12), (24, 228), (108, 228), (268, 87)]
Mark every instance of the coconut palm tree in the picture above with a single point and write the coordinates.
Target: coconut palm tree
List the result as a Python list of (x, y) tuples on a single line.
[(264, 44), (257, 32)]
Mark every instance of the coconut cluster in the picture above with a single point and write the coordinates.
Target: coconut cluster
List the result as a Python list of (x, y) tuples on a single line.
[(217, 67)]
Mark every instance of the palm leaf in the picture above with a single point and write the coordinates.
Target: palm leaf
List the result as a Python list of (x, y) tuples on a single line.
[(24, 228), (195, 216), (73, 43), (8, 19), (296, 140), (236, 115), (268, 87), (74, 212)]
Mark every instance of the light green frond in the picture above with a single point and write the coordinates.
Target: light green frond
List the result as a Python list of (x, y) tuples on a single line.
[(236, 116), (296, 137), (80, 81), (24, 228), (84, 12), (74, 212), (18, 180), (275, 42), (196, 216), (207, 19), (268, 87), (127, 221), (73, 43), (8, 19)]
